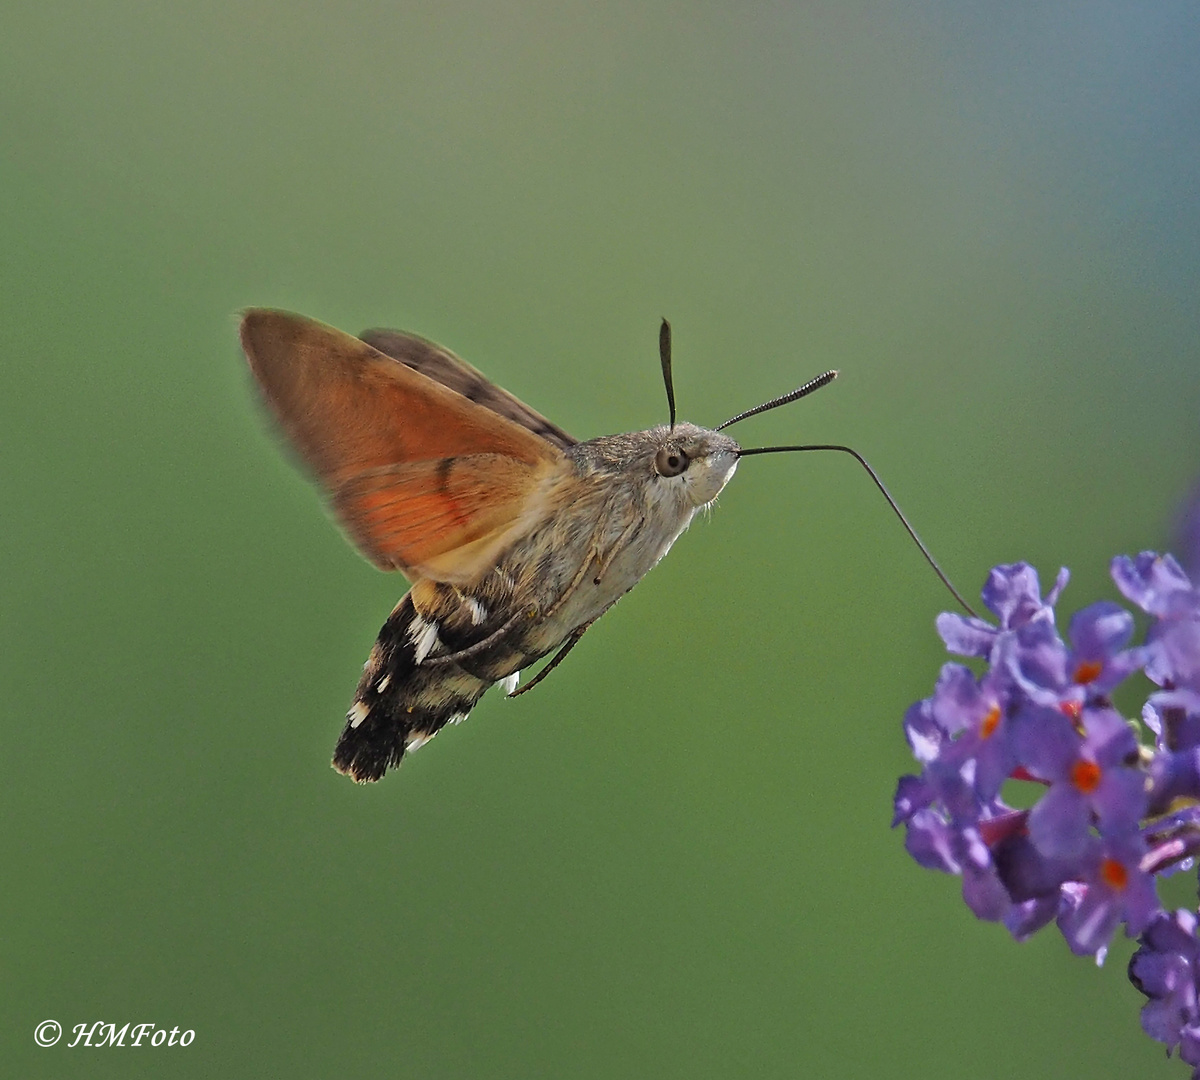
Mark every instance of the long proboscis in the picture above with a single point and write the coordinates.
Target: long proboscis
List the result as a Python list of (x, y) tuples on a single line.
[(886, 494)]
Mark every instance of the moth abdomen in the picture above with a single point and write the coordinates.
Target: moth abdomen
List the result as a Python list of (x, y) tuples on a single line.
[(402, 701)]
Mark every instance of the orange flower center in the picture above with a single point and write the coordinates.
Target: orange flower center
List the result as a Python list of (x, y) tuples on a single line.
[(1114, 874), (990, 722), (1085, 775), (1087, 671)]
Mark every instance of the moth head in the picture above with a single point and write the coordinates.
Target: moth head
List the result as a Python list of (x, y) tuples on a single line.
[(691, 463)]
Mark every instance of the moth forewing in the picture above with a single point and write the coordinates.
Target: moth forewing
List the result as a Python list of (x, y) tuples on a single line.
[(393, 448)]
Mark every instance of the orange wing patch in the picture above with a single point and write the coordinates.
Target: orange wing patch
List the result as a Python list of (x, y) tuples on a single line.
[(444, 519)]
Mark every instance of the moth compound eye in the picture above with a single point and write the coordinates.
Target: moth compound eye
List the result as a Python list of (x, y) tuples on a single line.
[(668, 462)]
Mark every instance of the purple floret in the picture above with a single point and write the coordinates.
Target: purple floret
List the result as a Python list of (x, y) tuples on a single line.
[(1174, 717), (1173, 841), (1013, 594), (937, 845), (1158, 585), (963, 726), (1165, 969), (1091, 784), (1116, 890), (1028, 874), (1096, 661)]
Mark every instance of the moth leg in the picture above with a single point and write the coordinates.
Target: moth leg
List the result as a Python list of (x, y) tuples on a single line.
[(606, 560), (565, 595), (559, 656), (603, 562), (592, 555), (478, 647)]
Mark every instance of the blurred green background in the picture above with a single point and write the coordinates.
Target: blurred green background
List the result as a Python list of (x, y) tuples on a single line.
[(673, 859)]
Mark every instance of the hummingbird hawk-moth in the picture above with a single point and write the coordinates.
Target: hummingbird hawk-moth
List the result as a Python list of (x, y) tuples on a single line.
[(516, 537)]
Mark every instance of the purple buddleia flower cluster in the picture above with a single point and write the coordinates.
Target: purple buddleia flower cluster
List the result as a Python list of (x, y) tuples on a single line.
[(1118, 801)]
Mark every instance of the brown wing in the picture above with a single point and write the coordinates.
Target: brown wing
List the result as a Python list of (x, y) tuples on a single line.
[(423, 479), (444, 367)]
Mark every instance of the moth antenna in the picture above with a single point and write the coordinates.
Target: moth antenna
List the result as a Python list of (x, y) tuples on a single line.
[(783, 399), (870, 472), (664, 354)]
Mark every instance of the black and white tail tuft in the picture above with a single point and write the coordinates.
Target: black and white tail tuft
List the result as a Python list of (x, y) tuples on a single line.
[(402, 700)]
